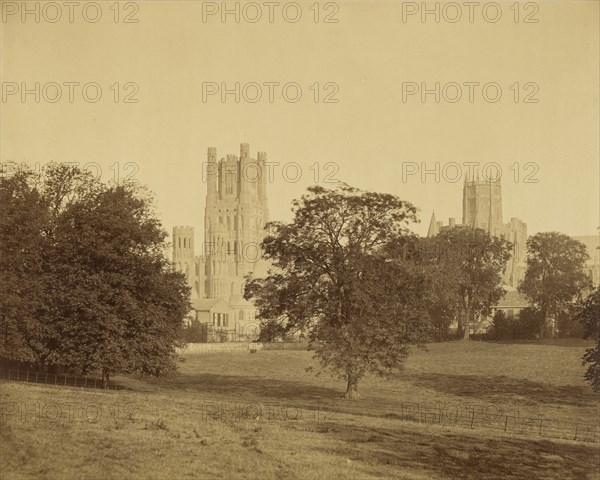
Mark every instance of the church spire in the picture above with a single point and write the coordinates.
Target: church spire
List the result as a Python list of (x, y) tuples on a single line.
[(433, 227)]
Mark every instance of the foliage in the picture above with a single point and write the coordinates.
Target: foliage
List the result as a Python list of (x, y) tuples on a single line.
[(528, 323), (568, 324), (521, 327), (589, 316), (554, 277), (502, 325), (85, 278), (194, 332), (471, 263)]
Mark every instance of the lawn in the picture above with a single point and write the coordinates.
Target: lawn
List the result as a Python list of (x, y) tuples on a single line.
[(263, 415)]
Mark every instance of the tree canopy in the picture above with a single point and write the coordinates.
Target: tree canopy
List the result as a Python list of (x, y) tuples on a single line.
[(589, 316), (554, 277), (330, 274), (470, 262), (84, 277)]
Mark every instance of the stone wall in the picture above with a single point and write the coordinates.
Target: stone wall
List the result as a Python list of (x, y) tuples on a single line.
[(220, 347)]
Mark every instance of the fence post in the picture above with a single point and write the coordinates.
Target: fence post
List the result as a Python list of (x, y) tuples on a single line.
[(506, 423), (85, 383), (9, 374), (541, 423), (472, 418), (46, 381), (36, 377), (27, 378), (576, 430)]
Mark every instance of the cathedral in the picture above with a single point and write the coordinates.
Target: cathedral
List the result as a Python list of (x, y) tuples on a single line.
[(234, 219), (482, 208)]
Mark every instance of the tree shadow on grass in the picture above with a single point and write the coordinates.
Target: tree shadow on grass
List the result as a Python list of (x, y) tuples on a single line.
[(460, 456), (493, 388), (247, 387)]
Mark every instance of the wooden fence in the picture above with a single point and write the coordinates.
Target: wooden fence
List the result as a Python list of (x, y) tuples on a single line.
[(55, 379)]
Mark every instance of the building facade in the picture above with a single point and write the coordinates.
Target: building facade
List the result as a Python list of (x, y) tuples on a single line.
[(592, 266), (234, 219), (482, 208)]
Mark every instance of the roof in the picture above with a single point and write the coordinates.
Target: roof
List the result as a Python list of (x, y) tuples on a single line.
[(433, 227), (513, 299), (206, 304), (238, 301)]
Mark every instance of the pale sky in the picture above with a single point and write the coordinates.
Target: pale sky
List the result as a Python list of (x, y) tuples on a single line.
[(370, 135)]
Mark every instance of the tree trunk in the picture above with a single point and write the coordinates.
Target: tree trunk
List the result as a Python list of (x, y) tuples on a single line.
[(352, 389), (542, 327), (105, 378), (466, 325)]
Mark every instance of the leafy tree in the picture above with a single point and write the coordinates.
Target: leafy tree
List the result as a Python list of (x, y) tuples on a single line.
[(473, 262), (522, 327), (589, 316), (194, 332), (362, 310), (105, 295), (527, 324), (502, 325), (568, 324), (554, 277), (444, 302)]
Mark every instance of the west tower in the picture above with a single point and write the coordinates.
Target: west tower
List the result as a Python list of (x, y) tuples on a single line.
[(482, 205)]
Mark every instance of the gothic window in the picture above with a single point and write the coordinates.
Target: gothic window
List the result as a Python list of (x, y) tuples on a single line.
[(235, 223), (229, 183), (235, 248), (229, 252)]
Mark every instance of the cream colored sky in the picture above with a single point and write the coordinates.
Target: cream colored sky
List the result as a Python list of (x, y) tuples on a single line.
[(368, 134)]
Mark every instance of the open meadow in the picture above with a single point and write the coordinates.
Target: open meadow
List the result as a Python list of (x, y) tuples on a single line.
[(469, 410)]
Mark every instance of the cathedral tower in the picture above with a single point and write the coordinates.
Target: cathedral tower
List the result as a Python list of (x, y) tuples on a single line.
[(235, 216), (482, 205)]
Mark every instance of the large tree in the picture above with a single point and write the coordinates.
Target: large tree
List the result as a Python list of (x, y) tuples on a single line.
[(363, 309), (554, 277), (473, 262), (589, 316), (100, 293)]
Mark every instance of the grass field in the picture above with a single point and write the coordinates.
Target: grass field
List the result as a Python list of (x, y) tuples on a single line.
[(262, 415)]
